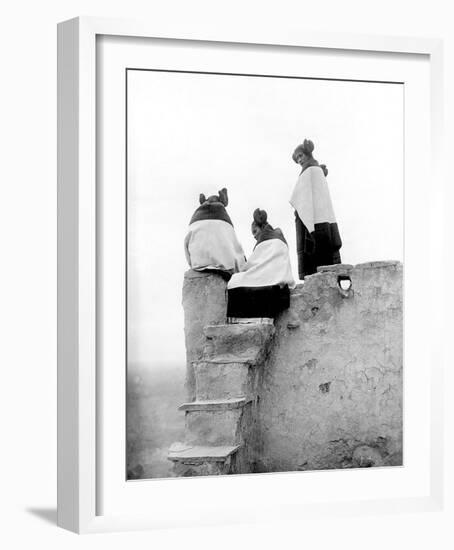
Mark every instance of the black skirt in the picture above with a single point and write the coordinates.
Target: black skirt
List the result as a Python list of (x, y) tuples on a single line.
[(263, 301), (321, 247)]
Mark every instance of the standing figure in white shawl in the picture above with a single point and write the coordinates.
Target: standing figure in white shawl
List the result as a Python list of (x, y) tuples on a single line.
[(317, 235), (262, 288), (211, 243)]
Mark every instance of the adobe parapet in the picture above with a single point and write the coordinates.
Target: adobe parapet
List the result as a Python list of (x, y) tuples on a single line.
[(327, 389)]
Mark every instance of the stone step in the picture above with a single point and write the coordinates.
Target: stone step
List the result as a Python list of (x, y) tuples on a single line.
[(251, 358), (218, 424), (213, 405), (227, 380), (237, 342), (202, 460), (201, 453)]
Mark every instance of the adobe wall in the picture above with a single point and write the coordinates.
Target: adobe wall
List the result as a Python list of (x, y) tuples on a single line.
[(204, 303), (333, 382), (330, 390)]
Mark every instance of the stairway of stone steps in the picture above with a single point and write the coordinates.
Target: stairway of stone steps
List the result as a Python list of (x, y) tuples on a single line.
[(220, 424)]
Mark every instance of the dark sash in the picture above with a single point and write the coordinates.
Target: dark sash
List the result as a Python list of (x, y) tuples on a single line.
[(321, 247), (262, 301)]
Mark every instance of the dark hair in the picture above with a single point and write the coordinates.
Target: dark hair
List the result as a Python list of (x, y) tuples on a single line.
[(307, 147), (260, 217), (222, 197)]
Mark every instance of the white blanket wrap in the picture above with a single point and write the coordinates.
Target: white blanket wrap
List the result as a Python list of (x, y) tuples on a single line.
[(213, 244), (268, 265), (311, 198)]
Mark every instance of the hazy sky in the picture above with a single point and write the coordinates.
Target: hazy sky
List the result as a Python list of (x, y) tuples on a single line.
[(196, 133)]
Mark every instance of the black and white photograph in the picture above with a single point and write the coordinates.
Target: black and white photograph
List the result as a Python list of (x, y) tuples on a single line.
[(265, 233), (227, 292)]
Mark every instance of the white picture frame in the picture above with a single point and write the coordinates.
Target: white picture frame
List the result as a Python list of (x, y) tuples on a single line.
[(80, 455)]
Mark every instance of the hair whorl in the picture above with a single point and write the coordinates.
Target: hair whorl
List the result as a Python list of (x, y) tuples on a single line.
[(223, 196), (260, 217), (308, 146)]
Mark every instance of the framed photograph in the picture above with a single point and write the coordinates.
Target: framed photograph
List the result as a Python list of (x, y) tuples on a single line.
[(250, 231)]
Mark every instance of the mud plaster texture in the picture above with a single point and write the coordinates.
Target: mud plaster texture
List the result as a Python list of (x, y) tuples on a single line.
[(329, 391), (204, 303)]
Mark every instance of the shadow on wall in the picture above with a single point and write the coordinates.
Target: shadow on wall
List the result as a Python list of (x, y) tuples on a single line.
[(153, 419)]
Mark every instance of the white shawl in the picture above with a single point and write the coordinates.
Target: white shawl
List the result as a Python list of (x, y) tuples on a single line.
[(213, 244), (268, 265), (311, 198)]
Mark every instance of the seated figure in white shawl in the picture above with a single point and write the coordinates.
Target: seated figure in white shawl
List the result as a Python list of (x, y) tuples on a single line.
[(317, 234), (261, 290), (211, 243)]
